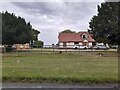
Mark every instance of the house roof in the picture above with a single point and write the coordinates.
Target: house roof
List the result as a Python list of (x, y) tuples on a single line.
[(74, 37)]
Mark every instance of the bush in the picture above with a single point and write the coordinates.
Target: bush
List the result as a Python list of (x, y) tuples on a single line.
[(38, 44)]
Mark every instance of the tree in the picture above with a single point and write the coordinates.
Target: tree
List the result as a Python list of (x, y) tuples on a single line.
[(35, 34), (104, 26), (15, 30), (68, 31), (38, 44)]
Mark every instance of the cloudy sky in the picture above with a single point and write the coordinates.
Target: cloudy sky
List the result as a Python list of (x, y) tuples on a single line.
[(50, 18)]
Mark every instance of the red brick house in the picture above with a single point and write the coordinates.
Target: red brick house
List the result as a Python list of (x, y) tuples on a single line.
[(70, 39)]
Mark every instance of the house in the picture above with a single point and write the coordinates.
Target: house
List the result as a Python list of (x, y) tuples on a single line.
[(70, 39)]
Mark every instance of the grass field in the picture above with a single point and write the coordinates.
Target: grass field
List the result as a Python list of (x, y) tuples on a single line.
[(83, 67)]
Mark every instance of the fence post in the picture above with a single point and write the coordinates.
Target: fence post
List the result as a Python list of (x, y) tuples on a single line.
[(4, 48), (41, 50), (53, 48), (66, 49), (79, 49)]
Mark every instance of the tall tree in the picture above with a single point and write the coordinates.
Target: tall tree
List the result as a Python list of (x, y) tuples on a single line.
[(16, 30), (104, 26)]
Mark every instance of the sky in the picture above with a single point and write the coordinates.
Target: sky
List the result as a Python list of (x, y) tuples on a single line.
[(50, 18)]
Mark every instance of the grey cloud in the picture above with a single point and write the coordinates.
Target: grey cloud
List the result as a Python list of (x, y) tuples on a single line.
[(36, 7), (69, 10), (53, 17)]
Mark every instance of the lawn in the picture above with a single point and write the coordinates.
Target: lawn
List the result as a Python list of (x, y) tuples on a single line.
[(77, 67)]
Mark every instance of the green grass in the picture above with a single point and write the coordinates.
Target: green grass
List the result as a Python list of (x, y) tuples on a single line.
[(83, 67)]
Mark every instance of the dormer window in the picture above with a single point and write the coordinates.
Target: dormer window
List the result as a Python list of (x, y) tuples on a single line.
[(84, 36)]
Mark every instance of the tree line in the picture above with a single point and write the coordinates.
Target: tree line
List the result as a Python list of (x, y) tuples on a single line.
[(15, 30)]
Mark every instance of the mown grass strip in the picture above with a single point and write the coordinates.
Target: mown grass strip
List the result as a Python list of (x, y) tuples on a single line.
[(72, 67)]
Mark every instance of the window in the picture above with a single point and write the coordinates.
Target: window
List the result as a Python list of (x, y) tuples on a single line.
[(76, 43), (84, 36)]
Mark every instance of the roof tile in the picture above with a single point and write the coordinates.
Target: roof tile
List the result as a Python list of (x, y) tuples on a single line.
[(74, 37)]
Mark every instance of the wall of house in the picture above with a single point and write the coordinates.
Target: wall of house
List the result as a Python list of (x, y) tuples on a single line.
[(80, 43), (70, 44), (60, 45), (90, 43)]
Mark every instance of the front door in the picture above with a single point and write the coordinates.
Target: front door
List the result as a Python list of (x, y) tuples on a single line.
[(84, 44)]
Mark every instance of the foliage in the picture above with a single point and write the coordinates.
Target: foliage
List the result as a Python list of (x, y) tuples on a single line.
[(35, 34), (104, 26), (68, 31), (15, 30), (38, 44)]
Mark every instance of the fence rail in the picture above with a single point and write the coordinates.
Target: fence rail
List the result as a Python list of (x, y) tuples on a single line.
[(43, 49)]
